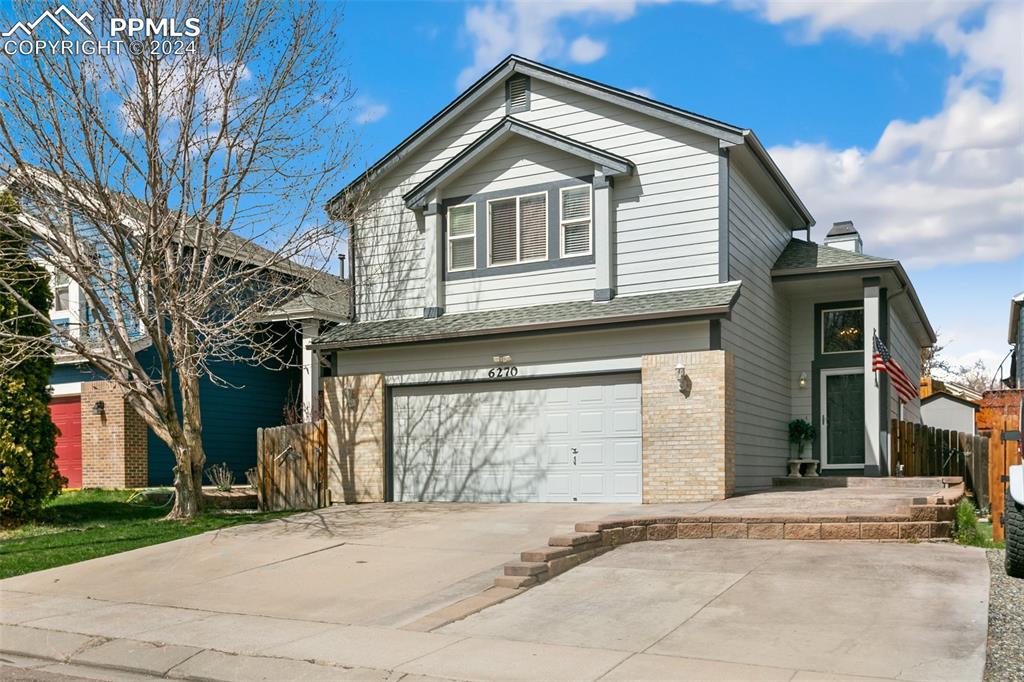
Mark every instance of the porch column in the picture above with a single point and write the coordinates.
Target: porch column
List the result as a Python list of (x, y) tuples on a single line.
[(433, 260), (604, 238), (872, 395), (310, 372)]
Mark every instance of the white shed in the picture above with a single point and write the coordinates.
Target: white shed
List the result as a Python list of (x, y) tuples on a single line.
[(946, 411)]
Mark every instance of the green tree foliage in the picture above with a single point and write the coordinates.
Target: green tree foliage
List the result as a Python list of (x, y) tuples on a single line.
[(28, 469)]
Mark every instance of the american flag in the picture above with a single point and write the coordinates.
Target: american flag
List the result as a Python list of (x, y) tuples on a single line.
[(882, 361)]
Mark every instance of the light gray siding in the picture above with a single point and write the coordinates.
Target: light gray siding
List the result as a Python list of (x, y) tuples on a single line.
[(947, 413), (758, 335), (906, 352), (536, 355), (666, 215)]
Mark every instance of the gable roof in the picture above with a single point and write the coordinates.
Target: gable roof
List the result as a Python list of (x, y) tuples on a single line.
[(706, 302), (804, 255), (514, 64), (802, 259), (949, 396), (612, 164)]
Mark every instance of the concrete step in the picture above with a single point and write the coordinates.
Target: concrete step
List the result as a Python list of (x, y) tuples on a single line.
[(574, 539), (515, 581), (520, 568)]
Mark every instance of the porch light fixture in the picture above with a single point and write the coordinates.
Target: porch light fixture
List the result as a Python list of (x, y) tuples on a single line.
[(681, 377), (98, 408), (803, 379)]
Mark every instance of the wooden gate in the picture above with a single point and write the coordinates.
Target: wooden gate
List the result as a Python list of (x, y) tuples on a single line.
[(919, 450), (291, 466)]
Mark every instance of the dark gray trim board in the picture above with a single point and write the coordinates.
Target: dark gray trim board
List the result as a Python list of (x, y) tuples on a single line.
[(611, 164), (553, 260), (604, 294), (432, 312), (389, 444), (883, 385), (723, 215), (715, 335)]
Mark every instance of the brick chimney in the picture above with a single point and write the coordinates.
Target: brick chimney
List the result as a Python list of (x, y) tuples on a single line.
[(844, 235)]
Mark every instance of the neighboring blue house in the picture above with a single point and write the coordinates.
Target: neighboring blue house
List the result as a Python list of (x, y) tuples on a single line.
[(103, 443)]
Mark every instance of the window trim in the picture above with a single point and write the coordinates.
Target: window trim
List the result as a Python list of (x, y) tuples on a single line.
[(821, 339), (519, 260), (54, 286), (449, 238), (562, 222)]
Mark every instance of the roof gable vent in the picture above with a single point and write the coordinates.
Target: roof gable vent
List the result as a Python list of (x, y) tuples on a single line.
[(517, 94), (844, 235)]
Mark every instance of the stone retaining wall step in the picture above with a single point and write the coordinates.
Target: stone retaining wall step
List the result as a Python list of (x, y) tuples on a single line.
[(930, 521)]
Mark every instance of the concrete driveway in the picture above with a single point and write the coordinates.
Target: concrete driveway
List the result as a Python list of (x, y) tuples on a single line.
[(765, 610), (343, 594), (384, 564)]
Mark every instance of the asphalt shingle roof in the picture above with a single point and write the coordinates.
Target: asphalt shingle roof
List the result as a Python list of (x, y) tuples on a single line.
[(663, 305), (803, 255)]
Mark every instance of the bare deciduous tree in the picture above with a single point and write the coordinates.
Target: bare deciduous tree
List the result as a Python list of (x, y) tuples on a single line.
[(183, 193)]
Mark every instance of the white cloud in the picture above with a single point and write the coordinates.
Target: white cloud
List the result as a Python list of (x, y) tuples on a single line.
[(895, 22), (947, 188), (585, 50), (369, 110), (536, 30), (643, 92)]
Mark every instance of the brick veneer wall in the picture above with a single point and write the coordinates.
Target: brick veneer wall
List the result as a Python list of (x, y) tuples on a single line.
[(689, 441), (114, 448), (354, 409)]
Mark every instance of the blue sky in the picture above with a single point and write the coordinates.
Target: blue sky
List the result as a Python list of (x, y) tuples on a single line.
[(904, 117)]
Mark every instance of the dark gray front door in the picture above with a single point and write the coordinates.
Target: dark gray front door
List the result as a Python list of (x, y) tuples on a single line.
[(843, 410)]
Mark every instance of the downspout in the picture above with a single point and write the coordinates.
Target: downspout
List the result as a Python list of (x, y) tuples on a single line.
[(352, 273)]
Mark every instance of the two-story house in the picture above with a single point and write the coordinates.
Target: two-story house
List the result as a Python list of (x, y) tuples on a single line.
[(569, 292)]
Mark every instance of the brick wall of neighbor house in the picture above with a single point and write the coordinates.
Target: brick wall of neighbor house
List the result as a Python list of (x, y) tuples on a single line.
[(114, 453), (354, 409), (689, 441)]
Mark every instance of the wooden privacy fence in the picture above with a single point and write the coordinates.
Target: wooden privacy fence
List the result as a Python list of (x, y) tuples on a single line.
[(928, 451), (291, 466)]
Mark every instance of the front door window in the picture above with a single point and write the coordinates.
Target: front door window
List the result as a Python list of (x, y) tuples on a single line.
[(843, 416)]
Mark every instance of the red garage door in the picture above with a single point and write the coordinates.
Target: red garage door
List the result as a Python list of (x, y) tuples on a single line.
[(67, 415)]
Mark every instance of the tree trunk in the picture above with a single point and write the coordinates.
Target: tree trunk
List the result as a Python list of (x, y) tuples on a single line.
[(188, 482)]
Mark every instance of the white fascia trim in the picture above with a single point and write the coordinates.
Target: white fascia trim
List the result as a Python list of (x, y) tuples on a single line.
[(63, 390)]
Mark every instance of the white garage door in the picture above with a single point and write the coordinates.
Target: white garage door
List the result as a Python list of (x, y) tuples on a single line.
[(562, 439)]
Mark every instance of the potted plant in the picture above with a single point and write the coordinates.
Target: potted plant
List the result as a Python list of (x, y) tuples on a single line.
[(801, 432)]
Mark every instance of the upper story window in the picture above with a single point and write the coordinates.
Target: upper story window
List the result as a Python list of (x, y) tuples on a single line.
[(61, 292), (517, 229), (574, 225), (842, 330), (462, 237)]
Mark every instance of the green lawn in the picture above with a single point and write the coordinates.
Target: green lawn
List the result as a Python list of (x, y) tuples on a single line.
[(85, 524)]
